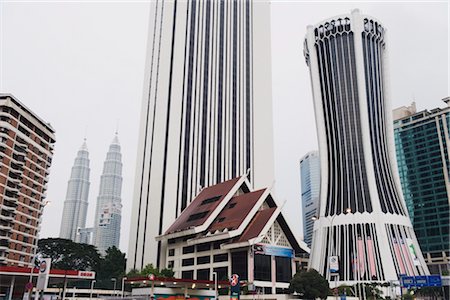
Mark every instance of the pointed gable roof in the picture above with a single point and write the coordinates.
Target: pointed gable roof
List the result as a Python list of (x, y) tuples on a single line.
[(201, 208)]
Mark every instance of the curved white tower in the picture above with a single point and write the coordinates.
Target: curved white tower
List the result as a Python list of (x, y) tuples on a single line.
[(206, 114), (363, 222), (109, 207), (76, 203)]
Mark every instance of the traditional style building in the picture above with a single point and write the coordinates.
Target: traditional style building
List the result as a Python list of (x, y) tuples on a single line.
[(231, 229)]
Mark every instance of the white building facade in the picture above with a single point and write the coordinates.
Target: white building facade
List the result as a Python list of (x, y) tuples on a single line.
[(108, 213), (310, 183), (363, 223), (76, 203), (206, 111)]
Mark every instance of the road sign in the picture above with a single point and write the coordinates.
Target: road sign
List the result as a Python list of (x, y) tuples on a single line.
[(421, 281), (29, 286), (235, 287), (434, 280), (407, 281)]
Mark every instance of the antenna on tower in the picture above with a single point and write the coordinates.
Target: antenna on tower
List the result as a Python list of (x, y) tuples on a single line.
[(117, 126)]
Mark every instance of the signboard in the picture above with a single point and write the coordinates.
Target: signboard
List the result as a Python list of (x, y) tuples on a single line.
[(420, 281), (273, 250), (235, 287), (86, 274), (334, 264), (44, 271), (434, 280), (407, 281), (412, 252)]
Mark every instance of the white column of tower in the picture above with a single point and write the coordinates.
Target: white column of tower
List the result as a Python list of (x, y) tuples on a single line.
[(109, 207), (363, 218), (76, 203), (206, 112)]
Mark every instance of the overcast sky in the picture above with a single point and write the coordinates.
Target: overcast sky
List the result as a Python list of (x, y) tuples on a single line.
[(80, 66)]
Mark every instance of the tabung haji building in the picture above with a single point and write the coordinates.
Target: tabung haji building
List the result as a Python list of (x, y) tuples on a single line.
[(206, 111), (363, 221), (231, 229)]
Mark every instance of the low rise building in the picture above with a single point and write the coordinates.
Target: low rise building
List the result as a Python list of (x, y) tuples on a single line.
[(230, 229)]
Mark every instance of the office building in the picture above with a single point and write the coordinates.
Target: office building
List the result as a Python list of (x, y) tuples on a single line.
[(231, 229), (363, 231), (26, 152), (422, 144), (310, 185), (77, 196), (108, 213), (206, 111)]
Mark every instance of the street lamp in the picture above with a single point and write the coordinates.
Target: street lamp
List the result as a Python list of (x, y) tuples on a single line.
[(315, 218), (123, 284), (215, 285), (92, 288), (115, 281)]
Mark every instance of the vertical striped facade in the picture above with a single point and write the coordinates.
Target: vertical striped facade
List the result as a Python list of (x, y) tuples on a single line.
[(363, 219), (206, 113)]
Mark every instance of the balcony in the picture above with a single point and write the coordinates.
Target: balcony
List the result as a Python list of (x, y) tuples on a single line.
[(21, 142)]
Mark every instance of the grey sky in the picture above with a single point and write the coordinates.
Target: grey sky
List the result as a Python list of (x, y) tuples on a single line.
[(80, 66)]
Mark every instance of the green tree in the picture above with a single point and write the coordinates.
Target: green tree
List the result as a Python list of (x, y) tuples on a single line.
[(67, 255), (111, 266), (168, 273), (310, 284), (150, 269)]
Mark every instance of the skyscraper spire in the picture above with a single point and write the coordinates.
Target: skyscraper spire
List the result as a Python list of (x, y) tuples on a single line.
[(76, 203), (109, 207)]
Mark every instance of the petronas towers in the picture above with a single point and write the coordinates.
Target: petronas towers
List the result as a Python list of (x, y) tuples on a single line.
[(106, 230)]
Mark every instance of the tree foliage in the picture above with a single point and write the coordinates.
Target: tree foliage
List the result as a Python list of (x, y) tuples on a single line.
[(150, 269), (67, 255), (310, 284)]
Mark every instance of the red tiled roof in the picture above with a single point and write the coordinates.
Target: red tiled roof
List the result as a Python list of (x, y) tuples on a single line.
[(235, 212), (257, 224), (202, 211)]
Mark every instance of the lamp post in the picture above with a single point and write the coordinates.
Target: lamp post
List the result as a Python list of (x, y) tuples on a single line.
[(315, 218), (215, 285), (115, 281), (123, 284), (92, 288)]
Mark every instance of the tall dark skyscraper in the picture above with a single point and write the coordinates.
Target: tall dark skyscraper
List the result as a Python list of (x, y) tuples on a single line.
[(206, 111), (363, 231), (422, 144)]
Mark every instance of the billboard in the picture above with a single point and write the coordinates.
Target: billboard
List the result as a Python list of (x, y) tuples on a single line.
[(333, 264), (44, 272), (273, 250)]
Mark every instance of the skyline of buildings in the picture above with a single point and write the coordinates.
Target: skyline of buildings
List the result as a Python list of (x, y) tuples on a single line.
[(310, 188), (206, 112), (108, 212), (363, 231), (77, 198), (422, 144), (26, 152)]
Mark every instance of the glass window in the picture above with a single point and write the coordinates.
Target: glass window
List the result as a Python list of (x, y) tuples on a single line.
[(284, 269), (187, 262), (220, 257), (171, 252), (203, 274), (188, 249), (222, 273), (203, 247), (187, 274), (263, 267), (239, 264), (203, 260)]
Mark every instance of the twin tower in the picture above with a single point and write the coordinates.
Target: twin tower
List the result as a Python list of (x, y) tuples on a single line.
[(106, 230), (207, 117)]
